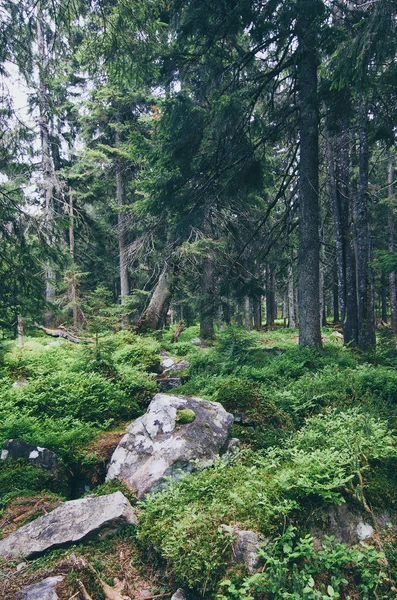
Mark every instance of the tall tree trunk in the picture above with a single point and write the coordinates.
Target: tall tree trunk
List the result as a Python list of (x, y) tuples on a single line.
[(154, 316), (291, 299), (49, 181), (309, 305), (366, 322), (322, 281), (20, 331), (390, 227), (122, 234), (335, 304), (72, 292), (207, 302), (346, 207), (270, 293), (257, 310), (340, 266), (247, 314)]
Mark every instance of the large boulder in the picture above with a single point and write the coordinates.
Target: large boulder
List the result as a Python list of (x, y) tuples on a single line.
[(176, 435), (44, 590), (71, 522)]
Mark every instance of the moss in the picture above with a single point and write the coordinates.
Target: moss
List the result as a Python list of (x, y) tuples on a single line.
[(185, 416)]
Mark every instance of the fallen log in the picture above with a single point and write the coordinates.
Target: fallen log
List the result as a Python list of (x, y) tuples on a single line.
[(64, 333)]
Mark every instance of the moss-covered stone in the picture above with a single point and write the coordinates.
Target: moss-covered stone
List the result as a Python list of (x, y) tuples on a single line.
[(185, 416)]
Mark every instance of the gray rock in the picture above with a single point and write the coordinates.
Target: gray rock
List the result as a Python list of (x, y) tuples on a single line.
[(245, 552), (233, 445), (349, 525), (21, 382), (44, 590), (167, 363), (39, 457), (156, 446), (197, 341), (179, 595), (168, 383), (180, 365), (71, 522)]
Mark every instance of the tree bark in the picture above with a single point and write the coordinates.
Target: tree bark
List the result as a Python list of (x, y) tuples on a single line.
[(247, 313), (72, 292), (365, 310), (291, 299), (20, 331), (154, 316), (337, 225), (257, 310), (207, 302), (309, 305), (49, 182), (122, 235), (390, 246), (270, 296)]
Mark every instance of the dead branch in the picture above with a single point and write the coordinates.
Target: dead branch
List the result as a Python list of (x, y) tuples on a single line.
[(82, 589), (63, 333)]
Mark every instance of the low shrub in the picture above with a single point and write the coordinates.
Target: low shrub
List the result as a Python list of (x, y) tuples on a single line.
[(143, 351), (294, 569), (88, 397)]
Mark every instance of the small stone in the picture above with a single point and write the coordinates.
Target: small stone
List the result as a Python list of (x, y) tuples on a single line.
[(21, 566), (182, 364), (21, 382), (167, 363), (44, 590), (364, 531), (179, 595), (168, 383), (246, 550)]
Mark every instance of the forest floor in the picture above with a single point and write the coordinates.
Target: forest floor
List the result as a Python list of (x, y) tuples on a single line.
[(317, 431)]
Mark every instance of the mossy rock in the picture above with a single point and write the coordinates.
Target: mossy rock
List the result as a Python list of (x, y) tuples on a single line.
[(185, 416)]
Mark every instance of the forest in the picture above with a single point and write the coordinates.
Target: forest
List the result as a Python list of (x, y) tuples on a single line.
[(198, 299)]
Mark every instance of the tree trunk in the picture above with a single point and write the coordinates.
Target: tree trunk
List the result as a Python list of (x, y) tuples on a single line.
[(309, 305), (257, 310), (335, 307), (72, 292), (270, 301), (207, 302), (366, 323), (291, 299), (247, 314), (154, 316), (337, 225), (122, 235), (49, 182), (20, 331), (392, 276)]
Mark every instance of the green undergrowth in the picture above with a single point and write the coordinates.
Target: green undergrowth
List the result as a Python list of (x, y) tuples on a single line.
[(60, 395), (193, 525), (317, 430)]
